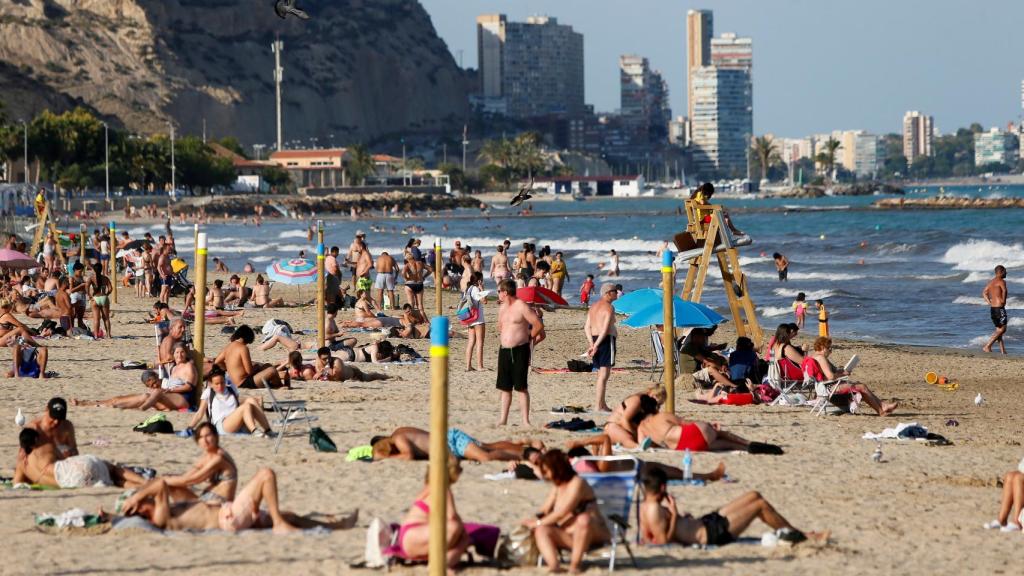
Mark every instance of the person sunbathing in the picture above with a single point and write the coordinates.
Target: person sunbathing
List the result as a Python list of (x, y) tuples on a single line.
[(165, 394), (261, 295), (215, 467), (333, 369), (662, 523), (374, 352), (54, 426), (236, 361), (11, 328), (29, 361), (408, 443), (153, 502), (414, 532), (818, 367), (1011, 508), (626, 416), (334, 338), (669, 431), (296, 368), (569, 519), (221, 406), (720, 395), (414, 323), (42, 466), (602, 446)]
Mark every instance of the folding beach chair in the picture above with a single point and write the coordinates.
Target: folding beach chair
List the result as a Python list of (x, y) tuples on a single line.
[(658, 354), (786, 387), (289, 411), (825, 390), (614, 492)]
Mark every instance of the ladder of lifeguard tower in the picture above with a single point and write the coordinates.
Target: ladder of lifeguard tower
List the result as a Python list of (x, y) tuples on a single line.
[(45, 224), (718, 243)]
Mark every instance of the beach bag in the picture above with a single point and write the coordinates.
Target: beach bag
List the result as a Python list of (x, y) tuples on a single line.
[(157, 424), (467, 311), (378, 540), (518, 548), (764, 394), (321, 441)]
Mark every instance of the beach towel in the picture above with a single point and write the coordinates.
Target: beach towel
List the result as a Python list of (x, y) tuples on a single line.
[(574, 425), (902, 431), (360, 453)]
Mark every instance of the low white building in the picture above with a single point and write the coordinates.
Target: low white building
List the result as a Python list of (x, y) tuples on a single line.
[(617, 186)]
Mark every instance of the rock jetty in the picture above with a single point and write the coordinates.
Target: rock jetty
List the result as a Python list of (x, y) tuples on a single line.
[(341, 203), (860, 189), (947, 203)]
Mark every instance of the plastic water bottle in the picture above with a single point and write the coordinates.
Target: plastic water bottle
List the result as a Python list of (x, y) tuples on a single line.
[(687, 466)]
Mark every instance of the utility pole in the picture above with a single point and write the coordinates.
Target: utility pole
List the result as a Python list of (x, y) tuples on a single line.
[(277, 47), (465, 143), (204, 130), (444, 146), (404, 170), (174, 188), (25, 126), (106, 155)]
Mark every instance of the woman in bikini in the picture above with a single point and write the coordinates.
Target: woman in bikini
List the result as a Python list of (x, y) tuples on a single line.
[(790, 359), (818, 367), (99, 287), (261, 295), (12, 328), (414, 532), (499, 265), (412, 274), (296, 368), (374, 352), (215, 466), (669, 431), (622, 423), (569, 518)]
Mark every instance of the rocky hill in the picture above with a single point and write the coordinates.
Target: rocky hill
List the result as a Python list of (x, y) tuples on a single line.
[(358, 69)]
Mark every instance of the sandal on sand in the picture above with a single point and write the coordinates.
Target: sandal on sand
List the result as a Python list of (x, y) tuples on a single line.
[(992, 525), (1010, 527)]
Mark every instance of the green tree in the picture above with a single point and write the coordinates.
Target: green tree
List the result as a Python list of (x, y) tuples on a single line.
[(766, 152), (197, 167), (360, 164), (455, 175), (526, 155), (827, 156), (499, 154), (276, 177)]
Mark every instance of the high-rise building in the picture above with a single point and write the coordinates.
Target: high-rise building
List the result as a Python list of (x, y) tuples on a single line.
[(994, 147), (532, 68), (918, 134), (722, 121), (679, 131), (699, 29), (731, 51), (858, 152), (643, 100)]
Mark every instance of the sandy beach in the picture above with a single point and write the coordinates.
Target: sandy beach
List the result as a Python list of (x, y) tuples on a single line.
[(919, 511)]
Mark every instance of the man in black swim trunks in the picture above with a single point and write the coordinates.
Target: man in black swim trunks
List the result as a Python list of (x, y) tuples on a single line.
[(995, 294), (662, 524), (519, 329), (600, 331)]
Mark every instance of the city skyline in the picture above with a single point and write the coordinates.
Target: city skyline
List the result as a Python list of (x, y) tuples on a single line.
[(948, 67)]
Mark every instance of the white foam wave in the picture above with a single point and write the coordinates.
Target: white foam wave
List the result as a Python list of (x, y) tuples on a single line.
[(293, 234), (936, 277), (983, 255), (889, 249), (1011, 304), (774, 311), (749, 260), (826, 276), (811, 296), (262, 258), (978, 276)]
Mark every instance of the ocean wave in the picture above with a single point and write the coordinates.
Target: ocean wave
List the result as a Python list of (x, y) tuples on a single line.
[(826, 276), (751, 260), (774, 311), (983, 255), (936, 277), (811, 296), (262, 259), (978, 276), (1011, 304), (293, 234)]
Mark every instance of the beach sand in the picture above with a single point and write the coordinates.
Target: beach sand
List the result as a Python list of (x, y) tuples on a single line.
[(920, 511)]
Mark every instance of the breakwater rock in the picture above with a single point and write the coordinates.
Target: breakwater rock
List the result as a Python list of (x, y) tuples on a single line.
[(947, 203)]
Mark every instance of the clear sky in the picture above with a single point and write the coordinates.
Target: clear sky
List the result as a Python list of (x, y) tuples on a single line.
[(819, 65)]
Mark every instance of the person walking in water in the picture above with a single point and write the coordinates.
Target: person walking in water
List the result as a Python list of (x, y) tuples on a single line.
[(600, 332), (519, 328), (995, 294), (782, 266)]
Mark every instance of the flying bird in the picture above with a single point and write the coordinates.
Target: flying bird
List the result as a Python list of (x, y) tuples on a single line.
[(286, 7), (523, 195)]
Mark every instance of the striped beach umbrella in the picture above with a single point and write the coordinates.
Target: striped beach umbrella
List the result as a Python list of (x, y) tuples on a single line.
[(292, 271)]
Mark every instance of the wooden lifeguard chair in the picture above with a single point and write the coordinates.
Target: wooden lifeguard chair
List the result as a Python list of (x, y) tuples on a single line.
[(45, 224), (697, 245)]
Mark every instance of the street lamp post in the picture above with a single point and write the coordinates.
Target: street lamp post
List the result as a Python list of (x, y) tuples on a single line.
[(174, 188), (25, 126), (106, 157), (404, 170), (465, 143)]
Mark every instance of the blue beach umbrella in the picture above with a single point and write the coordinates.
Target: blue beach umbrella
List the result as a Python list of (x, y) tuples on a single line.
[(684, 314), (292, 271), (637, 300)]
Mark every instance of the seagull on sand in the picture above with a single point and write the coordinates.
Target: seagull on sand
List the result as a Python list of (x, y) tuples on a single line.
[(523, 195), (286, 7)]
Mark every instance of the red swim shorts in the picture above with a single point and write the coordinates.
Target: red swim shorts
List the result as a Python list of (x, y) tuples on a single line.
[(691, 437)]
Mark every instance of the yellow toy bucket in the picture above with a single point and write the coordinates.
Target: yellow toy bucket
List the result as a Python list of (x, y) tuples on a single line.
[(931, 377)]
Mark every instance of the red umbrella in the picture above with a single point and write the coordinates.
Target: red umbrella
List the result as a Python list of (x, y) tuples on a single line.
[(16, 260), (538, 295)]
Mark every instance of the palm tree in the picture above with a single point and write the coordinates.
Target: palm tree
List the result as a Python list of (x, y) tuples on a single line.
[(767, 153), (360, 164), (527, 156), (499, 153), (827, 157)]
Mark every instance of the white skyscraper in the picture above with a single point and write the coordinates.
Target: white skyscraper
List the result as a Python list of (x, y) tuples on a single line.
[(918, 134)]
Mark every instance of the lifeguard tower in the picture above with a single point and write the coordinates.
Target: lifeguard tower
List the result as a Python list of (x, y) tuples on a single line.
[(707, 236), (44, 224)]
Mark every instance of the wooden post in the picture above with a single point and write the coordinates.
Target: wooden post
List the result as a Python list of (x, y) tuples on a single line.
[(81, 243), (438, 546), (320, 328), (113, 261), (200, 309), (438, 273), (319, 231), (668, 331)]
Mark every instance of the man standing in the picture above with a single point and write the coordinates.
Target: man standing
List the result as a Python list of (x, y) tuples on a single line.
[(600, 331), (163, 268), (519, 329), (995, 295), (353, 255), (331, 263), (387, 273)]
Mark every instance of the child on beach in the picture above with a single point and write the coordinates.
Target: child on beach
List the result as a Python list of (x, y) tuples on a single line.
[(822, 319), (800, 308), (586, 290)]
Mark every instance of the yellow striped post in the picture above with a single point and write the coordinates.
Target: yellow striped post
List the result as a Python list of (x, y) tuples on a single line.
[(438, 274), (668, 332), (200, 308), (320, 320), (438, 545), (113, 261)]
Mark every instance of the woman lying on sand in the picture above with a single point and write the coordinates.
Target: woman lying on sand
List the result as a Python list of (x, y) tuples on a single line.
[(626, 416), (334, 369), (41, 466), (819, 367), (569, 519), (670, 431), (168, 394), (1011, 509), (153, 502), (602, 446), (662, 523)]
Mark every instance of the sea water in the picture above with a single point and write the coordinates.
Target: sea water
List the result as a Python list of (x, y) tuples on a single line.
[(896, 276)]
